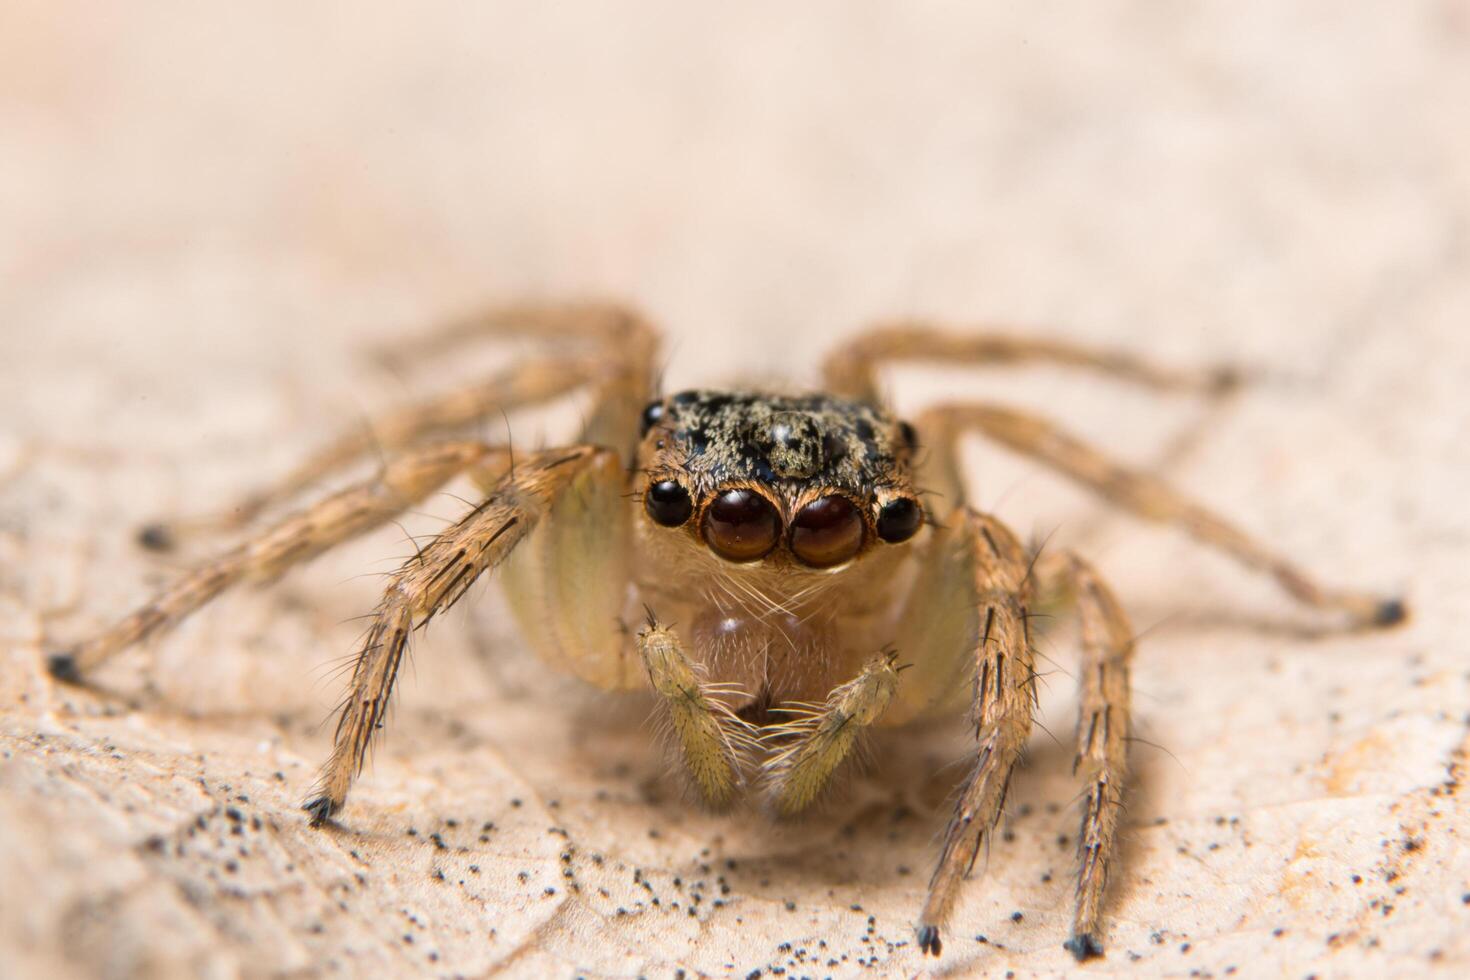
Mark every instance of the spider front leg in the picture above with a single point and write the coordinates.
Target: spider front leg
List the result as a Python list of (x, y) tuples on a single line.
[(821, 737), (1003, 699), (710, 736), (431, 582)]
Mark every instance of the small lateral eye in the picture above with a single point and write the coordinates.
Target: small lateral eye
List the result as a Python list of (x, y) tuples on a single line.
[(668, 503), (827, 532), (741, 525), (651, 414), (899, 519)]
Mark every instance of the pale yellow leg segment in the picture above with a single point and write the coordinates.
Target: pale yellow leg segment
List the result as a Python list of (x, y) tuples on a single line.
[(427, 584), (852, 370), (292, 541), (1102, 745), (709, 735), (1004, 698), (819, 738), (1149, 497)]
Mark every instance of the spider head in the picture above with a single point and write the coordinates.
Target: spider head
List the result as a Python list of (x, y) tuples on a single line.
[(811, 480)]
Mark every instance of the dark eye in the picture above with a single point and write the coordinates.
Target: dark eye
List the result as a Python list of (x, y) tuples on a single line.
[(651, 415), (668, 503), (741, 525), (827, 532), (899, 519), (908, 435)]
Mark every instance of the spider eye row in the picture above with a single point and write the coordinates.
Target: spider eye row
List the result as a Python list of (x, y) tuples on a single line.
[(740, 525)]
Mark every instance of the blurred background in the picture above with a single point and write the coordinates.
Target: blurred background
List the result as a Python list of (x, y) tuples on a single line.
[(209, 212)]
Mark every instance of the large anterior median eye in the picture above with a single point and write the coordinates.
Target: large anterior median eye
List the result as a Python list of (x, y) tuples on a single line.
[(827, 532), (741, 525), (668, 503)]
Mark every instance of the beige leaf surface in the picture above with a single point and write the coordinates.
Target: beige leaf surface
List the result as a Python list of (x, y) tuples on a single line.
[(208, 217)]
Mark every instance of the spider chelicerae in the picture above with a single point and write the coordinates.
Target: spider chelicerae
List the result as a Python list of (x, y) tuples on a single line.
[(826, 575)]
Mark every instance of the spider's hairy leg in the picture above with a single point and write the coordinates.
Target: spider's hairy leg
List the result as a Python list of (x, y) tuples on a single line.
[(1151, 498), (1003, 702), (452, 411), (427, 584), (593, 321), (852, 370), (1102, 736), (620, 341), (292, 541), (615, 358), (818, 738), (710, 736)]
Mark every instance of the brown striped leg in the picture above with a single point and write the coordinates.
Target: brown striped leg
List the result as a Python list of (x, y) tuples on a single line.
[(610, 350), (601, 324), (1151, 498), (852, 370), (426, 585), (1102, 742), (295, 539), (451, 412), (1004, 698), (618, 342)]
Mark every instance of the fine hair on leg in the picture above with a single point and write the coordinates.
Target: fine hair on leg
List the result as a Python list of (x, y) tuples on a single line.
[(1003, 702), (426, 585), (712, 739), (1151, 498), (816, 739), (292, 541), (603, 346)]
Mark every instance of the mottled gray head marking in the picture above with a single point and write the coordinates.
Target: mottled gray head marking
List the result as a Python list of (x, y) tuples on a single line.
[(793, 444), (715, 439)]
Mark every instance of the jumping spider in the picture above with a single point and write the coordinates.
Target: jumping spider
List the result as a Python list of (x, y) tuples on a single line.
[(806, 547)]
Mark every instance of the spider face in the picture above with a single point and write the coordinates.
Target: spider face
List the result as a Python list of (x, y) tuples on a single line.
[(811, 480)]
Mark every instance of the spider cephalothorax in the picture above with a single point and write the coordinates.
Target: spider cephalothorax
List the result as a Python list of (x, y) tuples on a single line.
[(748, 472), (779, 549)]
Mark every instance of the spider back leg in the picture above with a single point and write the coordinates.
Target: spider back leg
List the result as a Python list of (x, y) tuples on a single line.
[(1150, 498), (293, 540), (852, 369), (599, 346)]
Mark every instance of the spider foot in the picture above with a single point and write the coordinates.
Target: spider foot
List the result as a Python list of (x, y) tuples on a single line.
[(1391, 612), (62, 665), (1085, 947), (321, 809), (929, 941), (157, 537)]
